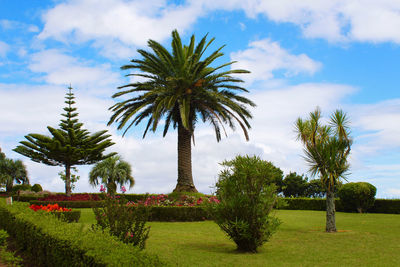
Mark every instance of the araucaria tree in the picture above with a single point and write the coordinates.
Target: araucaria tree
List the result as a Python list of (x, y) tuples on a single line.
[(67, 146), (326, 149), (180, 89)]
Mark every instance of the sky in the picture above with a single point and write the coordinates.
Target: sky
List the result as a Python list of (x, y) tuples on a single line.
[(338, 54)]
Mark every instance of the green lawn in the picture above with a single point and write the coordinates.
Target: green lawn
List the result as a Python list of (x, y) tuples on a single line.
[(362, 240)]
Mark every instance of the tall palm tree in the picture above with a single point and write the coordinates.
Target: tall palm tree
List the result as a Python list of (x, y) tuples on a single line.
[(110, 172), (326, 149), (182, 88), (12, 171)]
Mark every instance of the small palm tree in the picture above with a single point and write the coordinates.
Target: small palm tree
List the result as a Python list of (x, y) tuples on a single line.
[(12, 171), (110, 172), (182, 88), (326, 149)]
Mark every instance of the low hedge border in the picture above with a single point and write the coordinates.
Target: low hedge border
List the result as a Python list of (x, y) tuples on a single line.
[(55, 243), (70, 204), (178, 214), (69, 216)]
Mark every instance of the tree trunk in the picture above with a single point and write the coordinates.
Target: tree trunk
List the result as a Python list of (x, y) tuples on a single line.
[(185, 178), (330, 212), (68, 180)]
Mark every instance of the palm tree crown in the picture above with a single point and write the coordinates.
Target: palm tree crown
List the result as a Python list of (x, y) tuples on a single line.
[(110, 172), (182, 88)]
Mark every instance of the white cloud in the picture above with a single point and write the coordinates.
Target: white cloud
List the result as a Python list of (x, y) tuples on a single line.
[(263, 57), (3, 49), (125, 23), (334, 20), (62, 69)]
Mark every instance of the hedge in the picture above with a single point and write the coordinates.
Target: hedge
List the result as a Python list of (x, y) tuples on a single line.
[(391, 206), (69, 216), (52, 242), (178, 214), (70, 204)]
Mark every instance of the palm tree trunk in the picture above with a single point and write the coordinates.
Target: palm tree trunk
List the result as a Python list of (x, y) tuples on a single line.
[(68, 180), (330, 212), (185, 178)]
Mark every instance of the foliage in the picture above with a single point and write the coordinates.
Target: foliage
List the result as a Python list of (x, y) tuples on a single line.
[(37, 188), (52, 242), (123, 222), (70, 204), (326, 149), (67, 146), (73, 197), (12, 170), (21, 187), (246, 200), (315, 189), (357, 196), (295, 185), (182, 88), (110, 172), (7, 257), (391, 206), (73, 177)]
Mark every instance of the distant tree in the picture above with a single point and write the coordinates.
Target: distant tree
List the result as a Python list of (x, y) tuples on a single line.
[(12, 171), (315, 189), (74, 177), (67, 146), (294, 185), (326, 149), (111, 172), (181, 89)]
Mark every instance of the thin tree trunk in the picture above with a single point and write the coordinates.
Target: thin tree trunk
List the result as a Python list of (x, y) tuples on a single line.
[(68, 180), (330, 212), (185, 178)]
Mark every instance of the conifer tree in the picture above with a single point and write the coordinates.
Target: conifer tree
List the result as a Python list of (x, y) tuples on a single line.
[(67, 146)]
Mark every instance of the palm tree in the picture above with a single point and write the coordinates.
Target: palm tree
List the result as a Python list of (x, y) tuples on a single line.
[(12, 170), (182, 88), (326, 149), (110, 172)]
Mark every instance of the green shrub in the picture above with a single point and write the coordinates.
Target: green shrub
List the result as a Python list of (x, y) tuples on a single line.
[(3, 237), (68, 216), (178, 214), (55, 243), (123, 222), (246, 199), (37, 188), (391, 206), (357, 196), (21, 187), (70, 204)]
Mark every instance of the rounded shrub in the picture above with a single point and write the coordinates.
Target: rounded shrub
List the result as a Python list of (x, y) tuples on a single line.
[(357, 196), (37, 188), (246, 197)]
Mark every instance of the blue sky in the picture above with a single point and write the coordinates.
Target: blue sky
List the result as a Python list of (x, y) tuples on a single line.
[(301, 54)]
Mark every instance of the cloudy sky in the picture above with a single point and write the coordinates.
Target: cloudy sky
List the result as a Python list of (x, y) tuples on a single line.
[(302, 54)]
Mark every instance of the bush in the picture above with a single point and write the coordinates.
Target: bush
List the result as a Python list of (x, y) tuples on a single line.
[(68, 216), (37, 188), (70, 204), (391, 206), (247, 198), (124, 222), (54, 243), (7, 257), (357, 196), (3, 238), (178, 214), (21, 187)]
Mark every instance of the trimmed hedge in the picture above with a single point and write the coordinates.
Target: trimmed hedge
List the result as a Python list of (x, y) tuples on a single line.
[(70, 204), (55, 243), (390, 206), (26, 198), (178, 214)]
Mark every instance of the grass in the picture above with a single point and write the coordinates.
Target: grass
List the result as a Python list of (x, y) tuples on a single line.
[(362, 240)]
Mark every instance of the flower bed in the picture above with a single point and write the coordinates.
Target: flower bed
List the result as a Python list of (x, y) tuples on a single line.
[(74, 197), (167, 201), (62, 213)]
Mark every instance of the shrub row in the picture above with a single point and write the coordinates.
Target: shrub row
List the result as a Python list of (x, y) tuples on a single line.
[(55, 243), (178, 214), (391, 206), (69, 216), (70, 204)]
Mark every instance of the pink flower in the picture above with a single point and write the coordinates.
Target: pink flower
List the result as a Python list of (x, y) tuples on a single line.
[(102, 189), (123, 189)]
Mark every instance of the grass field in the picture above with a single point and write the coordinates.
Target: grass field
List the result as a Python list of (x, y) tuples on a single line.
[(362, 240)]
